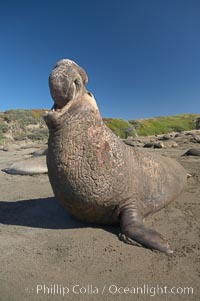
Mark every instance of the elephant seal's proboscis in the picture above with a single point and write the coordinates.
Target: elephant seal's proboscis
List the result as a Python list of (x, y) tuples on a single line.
[(97, 177)]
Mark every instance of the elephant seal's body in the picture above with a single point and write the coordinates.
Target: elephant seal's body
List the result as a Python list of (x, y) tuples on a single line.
[(31, 166), (97, 177), (192, 152)]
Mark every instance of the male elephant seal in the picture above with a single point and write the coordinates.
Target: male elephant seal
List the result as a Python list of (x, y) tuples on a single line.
[(97, 177)]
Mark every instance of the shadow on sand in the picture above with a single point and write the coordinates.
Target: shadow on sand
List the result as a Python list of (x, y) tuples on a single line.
[(42, 213)]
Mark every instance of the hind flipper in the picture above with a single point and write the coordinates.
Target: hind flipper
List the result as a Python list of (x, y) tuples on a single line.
[(134, 232)]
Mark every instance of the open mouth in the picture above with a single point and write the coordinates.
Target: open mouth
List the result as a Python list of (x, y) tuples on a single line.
[(59, 107), (55, 108)]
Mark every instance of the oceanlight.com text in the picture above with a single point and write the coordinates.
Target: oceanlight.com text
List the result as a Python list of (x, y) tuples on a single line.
[(108, 289)]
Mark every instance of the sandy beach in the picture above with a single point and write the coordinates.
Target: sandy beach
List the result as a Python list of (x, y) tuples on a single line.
[(48, 255)]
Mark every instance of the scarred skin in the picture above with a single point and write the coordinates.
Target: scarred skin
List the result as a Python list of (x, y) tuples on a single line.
[(97, 177)]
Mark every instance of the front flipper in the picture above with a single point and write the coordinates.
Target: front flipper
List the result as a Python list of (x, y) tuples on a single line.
[(134, 232)]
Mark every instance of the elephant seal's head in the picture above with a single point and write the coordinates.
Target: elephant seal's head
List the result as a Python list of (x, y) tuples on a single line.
[(66, 82), (67, 87)]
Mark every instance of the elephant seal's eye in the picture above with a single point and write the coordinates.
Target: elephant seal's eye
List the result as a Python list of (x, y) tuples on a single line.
[(89, 93), (77, 83)]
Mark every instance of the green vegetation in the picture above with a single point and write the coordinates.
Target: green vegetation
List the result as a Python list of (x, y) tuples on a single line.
[(3, 129), (24, 117), (120, 127), (166, 124), (152, 126), (38, 134), (21, 125)]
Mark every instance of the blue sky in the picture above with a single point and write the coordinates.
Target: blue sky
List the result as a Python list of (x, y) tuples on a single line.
[(142, 57)]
